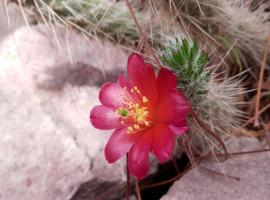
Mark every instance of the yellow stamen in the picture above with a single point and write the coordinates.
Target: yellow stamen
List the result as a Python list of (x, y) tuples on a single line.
[(133, 113), (140, 113), (146, 123), (144, 99), (136, 126), (130, 129)]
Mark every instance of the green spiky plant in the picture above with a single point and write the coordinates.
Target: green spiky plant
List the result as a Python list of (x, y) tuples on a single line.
[(188, 62), (214, 101)]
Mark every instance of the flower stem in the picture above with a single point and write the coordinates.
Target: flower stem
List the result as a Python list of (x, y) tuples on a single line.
[(138, 191), (127, 185)]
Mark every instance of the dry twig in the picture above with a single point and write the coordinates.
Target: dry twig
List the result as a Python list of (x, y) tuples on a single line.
[(258, 95)]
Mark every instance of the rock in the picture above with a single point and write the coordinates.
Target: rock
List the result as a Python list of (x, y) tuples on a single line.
[(252, 169), (38, 159), (11, 18), (49, 82)]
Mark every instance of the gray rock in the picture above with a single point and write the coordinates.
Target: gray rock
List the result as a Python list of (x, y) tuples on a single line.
[(49, 82), (252, 170), (11, 18)]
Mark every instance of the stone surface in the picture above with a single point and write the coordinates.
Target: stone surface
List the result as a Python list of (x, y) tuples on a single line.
[(252, 169), (11, 18), (49, 84)]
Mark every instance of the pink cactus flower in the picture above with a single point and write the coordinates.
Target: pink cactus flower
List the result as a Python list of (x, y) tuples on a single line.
[(147, 113)]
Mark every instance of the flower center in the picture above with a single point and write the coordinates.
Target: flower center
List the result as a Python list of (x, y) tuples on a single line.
[(134, 112)]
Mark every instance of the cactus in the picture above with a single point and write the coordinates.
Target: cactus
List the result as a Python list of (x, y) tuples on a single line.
[(187, 61), (215, 102)]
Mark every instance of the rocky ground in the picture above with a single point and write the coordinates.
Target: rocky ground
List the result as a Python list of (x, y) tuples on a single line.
[(49, 84), (250, 176)]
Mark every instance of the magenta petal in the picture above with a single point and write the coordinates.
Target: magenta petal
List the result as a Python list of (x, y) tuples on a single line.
[(135, 60), (143, 76), (179, 128), (121, 80), (111, 95), (119, 144), (172, 108), (163, 142), (104, 118), (138, 156), (166, 82)]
